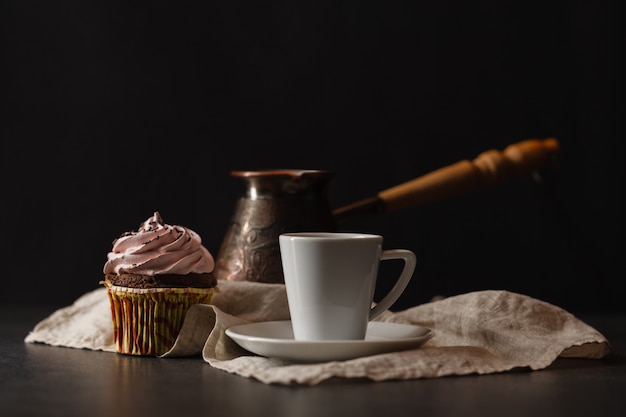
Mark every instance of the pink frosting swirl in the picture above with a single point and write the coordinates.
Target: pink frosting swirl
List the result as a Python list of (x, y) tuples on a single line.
[(158, 248)]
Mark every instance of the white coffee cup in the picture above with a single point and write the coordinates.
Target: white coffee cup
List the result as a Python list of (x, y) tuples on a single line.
[(330, 280)]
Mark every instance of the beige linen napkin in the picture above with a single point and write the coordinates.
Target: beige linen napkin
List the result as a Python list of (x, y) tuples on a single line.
[(475, 333)]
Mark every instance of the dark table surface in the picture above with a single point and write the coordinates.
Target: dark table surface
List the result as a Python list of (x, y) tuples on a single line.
[(42, 380)]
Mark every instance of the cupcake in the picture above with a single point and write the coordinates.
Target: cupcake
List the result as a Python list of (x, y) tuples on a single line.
[(153, 276)]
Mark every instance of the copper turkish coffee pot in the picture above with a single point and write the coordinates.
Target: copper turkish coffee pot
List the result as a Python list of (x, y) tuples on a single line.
[(289, 200)]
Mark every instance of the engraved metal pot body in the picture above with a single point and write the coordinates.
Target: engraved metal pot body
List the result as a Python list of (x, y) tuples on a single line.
[(273, 202)]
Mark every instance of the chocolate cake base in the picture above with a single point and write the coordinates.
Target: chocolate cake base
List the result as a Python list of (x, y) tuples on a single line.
[(206, 280)]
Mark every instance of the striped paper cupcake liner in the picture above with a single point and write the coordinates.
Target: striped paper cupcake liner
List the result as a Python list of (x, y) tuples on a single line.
[(146, 321)]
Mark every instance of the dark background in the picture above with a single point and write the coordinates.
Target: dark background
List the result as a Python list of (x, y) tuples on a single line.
[(110, 112)]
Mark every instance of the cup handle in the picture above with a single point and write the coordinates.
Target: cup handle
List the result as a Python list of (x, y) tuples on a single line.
[(405, 276)]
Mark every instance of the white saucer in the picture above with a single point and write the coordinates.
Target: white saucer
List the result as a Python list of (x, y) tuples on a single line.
[(275, 339)]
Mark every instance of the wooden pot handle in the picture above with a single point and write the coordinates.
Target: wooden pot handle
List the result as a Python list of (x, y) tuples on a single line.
[(490, 168)]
